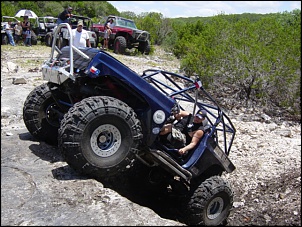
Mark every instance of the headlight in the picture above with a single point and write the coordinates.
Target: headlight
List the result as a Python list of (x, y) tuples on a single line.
[(159, 117)]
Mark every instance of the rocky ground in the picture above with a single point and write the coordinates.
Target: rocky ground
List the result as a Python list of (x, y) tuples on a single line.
[(39, 188)]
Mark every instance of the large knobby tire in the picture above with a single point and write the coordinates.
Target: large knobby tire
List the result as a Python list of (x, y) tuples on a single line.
[(48, 39), (61, 42), (99, 136), (144, 47), (4, 39), (34, 38), (40, 115), (210, 203), (120, 45)]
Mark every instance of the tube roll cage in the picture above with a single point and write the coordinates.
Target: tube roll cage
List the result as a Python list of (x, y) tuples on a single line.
[(222, 122), (54, 48)]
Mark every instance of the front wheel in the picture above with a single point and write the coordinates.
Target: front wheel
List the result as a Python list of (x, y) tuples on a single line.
[(41, 115), (210, 203), (144, 47), (99, 136)]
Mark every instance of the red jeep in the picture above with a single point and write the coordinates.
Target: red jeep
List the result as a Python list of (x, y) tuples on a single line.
[(124, 35)]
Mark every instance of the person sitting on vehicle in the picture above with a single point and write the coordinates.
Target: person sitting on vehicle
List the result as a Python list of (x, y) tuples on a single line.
[(64, 16), (80, 36), (188, 134), (107, 31)]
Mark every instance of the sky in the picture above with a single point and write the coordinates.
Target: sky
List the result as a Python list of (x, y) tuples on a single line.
[(175, 9)]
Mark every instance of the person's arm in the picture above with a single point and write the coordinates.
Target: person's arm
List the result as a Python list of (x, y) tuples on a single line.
[(195, 139), (68, 14), (88, 42), (181, 114)]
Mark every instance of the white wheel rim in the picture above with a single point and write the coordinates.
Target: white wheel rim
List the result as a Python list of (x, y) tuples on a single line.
[(215, 208), (105, 140)]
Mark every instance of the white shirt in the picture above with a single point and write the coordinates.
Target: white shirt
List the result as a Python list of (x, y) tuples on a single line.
[(79, 38), (18, 29)]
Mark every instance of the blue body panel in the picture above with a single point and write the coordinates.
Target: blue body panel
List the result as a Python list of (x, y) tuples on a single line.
[(107, 65)]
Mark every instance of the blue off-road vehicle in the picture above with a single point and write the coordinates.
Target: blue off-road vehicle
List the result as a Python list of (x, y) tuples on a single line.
[(106, 119)]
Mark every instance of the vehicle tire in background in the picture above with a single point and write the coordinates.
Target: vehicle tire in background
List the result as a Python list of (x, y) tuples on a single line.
[(34, 38), (4, 39), (120, 45), (48, 39), (61, 42), (144, 47)]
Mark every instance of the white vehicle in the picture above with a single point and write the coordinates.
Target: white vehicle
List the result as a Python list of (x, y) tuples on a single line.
[(43, 25), (4, 22), (64, 37)]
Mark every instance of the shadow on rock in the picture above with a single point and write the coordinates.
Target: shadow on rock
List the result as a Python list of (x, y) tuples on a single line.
[(27, 136), (66, 173), (46, 152), (133, 186), (134, 189), (143, 193)]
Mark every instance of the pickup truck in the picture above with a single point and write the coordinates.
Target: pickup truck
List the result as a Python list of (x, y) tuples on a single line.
[(124, 35)]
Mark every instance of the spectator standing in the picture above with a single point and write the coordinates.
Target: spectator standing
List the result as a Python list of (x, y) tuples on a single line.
[(18, 32), (28, 38), (25, 25), (108, 31), (63, 17), (8, 31), (80, 36)]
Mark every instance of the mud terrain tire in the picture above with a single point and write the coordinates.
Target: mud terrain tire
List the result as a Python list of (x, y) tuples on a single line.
[(40, 115), (61, 42), (48, 39), (120, 45), (210, 203), (99, 136), (144, 47), (5, 39), (34, 38)]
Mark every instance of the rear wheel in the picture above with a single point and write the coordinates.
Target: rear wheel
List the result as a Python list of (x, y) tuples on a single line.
[(120, 45), (99, 136), (61, 42), (4, 39), (210, 203), (34, 38), (41, 115)]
